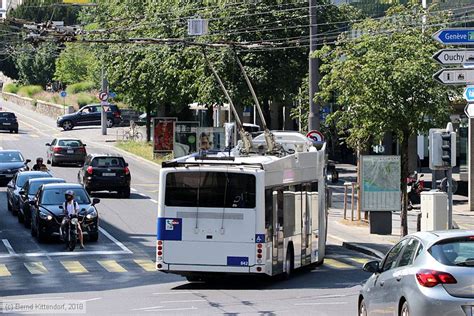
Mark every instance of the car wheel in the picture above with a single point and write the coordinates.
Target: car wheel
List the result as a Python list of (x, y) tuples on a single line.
[(110, 123), (67, 125), (405, 311), (33, 230), (125, 193), (16, 131), (93, 237), (21, 219), (41, 235), (53, 163), (362, 308), (27, 222), (9, 206)]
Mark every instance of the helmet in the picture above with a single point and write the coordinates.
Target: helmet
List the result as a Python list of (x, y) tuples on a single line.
[(69, 193), (39, 159)]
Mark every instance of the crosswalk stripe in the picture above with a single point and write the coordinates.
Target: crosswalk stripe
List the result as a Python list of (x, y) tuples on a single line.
[(4, 271), (111, 266), (360, 260), (36, 267), (337, 264), (147, 265), (74, 267)]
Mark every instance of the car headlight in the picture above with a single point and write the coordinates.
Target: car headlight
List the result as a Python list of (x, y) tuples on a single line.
[(45, 216), (92, 213)]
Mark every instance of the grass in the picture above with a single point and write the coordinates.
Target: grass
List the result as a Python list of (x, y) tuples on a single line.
[(11, 88), (85, 99), (144, 150), (29, 91), (84, 86)]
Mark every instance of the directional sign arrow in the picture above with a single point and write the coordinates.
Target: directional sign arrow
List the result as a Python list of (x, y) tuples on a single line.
[(455, 36), (454, 56), (469, 93), (455, 76)]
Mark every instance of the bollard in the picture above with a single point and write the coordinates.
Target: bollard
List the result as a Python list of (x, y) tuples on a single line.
[(345, 200), (352, 201)]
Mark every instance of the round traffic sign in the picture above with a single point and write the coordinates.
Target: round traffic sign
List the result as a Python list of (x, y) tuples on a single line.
[(103, 96), (315, 136), (63, 94)]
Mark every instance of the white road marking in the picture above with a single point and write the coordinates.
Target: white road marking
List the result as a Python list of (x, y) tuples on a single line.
[(66, 254), (154, 201), (175, 293), (133, 190), (33, 298), (144, 195), (92, 299), (112, 238), (171, 309), (9, 247), (145, 308), (326, 303), (184, 301)]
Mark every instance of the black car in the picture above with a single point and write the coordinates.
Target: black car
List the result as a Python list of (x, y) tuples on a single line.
[(66, 150), (105, 173), (8, 122), (27, 194), (11, 161), (90, 115), (47, 211), (15, 185)]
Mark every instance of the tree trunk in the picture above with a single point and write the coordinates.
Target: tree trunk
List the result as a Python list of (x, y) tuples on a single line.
[(404, 176), (148, 123)]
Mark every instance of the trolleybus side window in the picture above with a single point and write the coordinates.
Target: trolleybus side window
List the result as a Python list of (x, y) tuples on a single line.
[(210, 189)]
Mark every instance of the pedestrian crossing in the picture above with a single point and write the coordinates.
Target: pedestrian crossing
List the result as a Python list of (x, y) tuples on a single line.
[(38, 268)]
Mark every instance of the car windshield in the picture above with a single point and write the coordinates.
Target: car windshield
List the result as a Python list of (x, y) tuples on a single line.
[(210, 189), (102, 162), (23, 177), (34, 186), (70, 143), (7, 115), (454, 252), (11, 157), (56, 196)]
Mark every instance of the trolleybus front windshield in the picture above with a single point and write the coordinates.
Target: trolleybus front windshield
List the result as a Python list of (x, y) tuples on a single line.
[(210, 189)]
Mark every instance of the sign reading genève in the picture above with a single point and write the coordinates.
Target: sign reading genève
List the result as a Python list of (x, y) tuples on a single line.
[(455, 36)]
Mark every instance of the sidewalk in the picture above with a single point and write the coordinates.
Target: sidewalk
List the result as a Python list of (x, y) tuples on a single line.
[(356, 235)]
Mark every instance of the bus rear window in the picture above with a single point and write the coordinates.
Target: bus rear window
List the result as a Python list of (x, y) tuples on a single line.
[(210, 189)]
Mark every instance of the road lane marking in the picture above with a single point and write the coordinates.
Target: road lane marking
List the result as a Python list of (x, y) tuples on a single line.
[(183, 301), (322, 303), (66, 254), (115, 241), (36, 267), (4, 271), (111, 266), (9, 247), (171, 309), (92, 299), (74, 267), (144, 195), (133, 190), (147, 265), (336, 264), (175, 293), (154, 201), (145, 308), (360, 260)]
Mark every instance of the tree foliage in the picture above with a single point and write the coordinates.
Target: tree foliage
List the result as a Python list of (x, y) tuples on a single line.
[(35, 64), (383, 82), (76, 63)]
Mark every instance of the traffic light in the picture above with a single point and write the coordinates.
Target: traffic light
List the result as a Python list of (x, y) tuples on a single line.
[(448, 149)]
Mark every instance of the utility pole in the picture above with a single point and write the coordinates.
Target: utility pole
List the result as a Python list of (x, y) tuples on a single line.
[(104, 89), (314, 76)]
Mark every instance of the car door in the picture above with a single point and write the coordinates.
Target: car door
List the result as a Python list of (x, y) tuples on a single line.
[(50, 148), (382, 298), (85, 116), (95, 114)]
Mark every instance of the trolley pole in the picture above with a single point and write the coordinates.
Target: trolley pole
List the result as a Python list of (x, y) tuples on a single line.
[(314, 75)]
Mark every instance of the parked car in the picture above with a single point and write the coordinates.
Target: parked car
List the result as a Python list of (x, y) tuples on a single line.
[(65, 150), (427, 273), (11, 161), (8, 122), (90, 115), (105, 173), (47, 213), (15, 185), (27, 194)]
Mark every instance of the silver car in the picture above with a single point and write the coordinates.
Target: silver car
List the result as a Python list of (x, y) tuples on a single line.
[(426, 273)]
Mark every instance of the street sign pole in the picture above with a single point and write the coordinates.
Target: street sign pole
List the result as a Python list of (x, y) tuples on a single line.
[(103, 117), (450, 197)]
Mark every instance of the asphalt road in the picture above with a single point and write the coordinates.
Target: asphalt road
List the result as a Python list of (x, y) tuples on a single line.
[(116, 275)]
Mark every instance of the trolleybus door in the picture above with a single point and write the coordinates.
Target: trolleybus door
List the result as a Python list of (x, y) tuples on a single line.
[(278, 255)]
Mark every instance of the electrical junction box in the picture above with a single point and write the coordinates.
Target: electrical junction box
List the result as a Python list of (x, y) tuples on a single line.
[(434, 211)]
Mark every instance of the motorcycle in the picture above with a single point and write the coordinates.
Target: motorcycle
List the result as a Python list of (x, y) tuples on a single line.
[(416, 185), (69, 235)]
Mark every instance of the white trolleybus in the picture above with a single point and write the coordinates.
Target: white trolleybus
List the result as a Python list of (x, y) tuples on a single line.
[(257, 213)]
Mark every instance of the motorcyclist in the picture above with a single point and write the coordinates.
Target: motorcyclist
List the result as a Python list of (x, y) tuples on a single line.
[(71, 207), (39, 166)]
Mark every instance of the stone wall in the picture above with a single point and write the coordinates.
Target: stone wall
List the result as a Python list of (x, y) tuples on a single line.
[(46, 108)]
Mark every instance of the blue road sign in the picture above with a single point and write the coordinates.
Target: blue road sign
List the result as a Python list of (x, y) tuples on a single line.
[(469, 93), (63, 94), (455, 36), (112, 95)]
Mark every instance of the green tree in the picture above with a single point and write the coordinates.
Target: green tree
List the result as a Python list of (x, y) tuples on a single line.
[(35, 64), (76, 63), (383, 83)]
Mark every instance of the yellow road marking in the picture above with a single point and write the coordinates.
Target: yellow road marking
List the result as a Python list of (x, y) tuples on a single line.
[(4, 271), (337, 264), (147, 265), (360, 260), (36, 267), (74, 267), (111, 266)]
